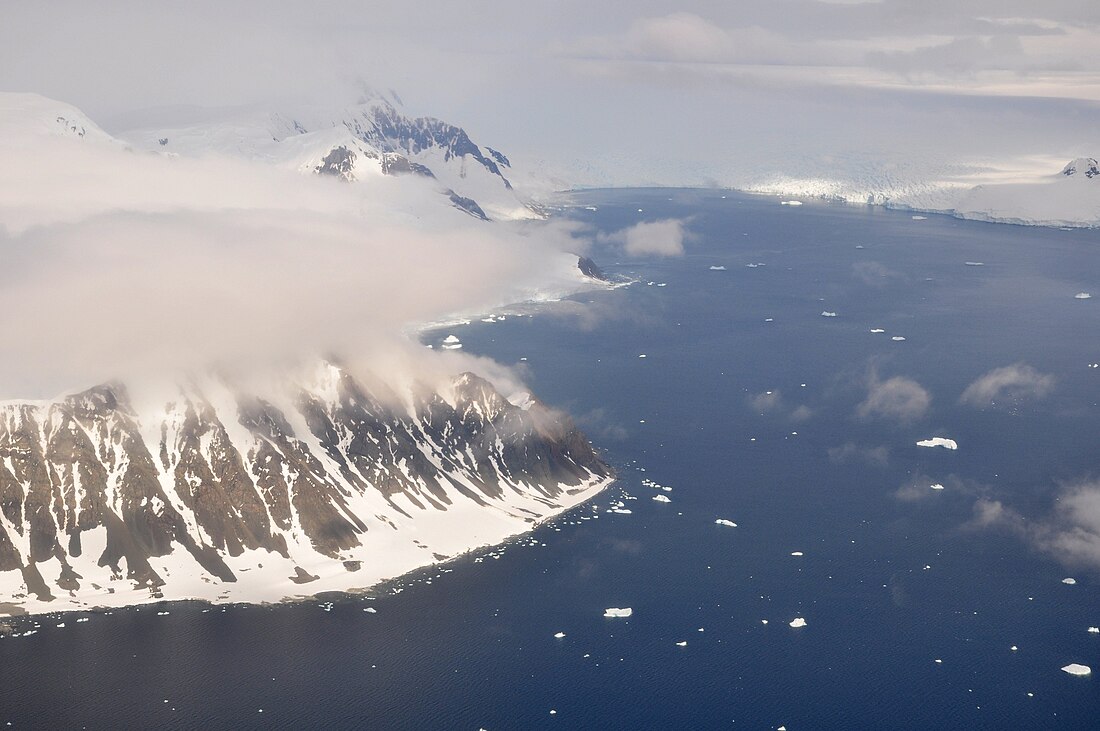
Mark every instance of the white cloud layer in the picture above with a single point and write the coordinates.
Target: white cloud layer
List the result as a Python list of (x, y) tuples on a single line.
[(652, 238), (118, 263), (1017, 381), (898, 398)]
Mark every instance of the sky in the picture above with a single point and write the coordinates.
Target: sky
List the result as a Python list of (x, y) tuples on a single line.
[(595, 93)]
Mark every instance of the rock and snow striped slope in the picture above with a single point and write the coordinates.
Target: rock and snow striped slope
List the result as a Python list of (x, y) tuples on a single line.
[(218, 494)]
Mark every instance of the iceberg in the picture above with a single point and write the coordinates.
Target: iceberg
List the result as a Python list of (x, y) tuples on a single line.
[(611, 612), (938, 442), (828, 314), (790, 203), (723, 521), (1082, 296), (682, 644), (1069, 580), (898, 338), (450, 339), (559, 635), (798, 622), (1077, 669), (718, 269), (661, 498), (937, 486), (1094, 630)]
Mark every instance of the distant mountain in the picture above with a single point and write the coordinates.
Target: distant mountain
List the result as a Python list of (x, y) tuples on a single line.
[(207, 491), (1068, 198), (1085, 166), (373, 137)]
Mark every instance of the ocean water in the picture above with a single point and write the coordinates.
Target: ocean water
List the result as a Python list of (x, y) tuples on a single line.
[(894, 575)]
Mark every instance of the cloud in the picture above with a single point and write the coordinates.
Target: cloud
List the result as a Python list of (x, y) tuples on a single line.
[(1017, 381), (652, 238), (118, 264), (874, 274), (852, 452), (1072, 533), (766, 402), (897, 398), (1069, 533)]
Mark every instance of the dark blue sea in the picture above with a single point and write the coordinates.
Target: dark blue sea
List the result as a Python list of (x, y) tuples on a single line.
[(894, 575)]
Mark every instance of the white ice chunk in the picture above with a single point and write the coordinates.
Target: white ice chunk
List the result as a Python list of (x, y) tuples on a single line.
[(723, 521), (798, 622), (1082, 296), (920, 218), (1069, 580), (1077, 669), (938, 442), (1094, 630), (828, 314), (790, 203), (559, 635), (682, 644), (617, 612), (877, 330), (937, 486), (796, 553), (451, 339), (718, 269), (661, 499), (897, 338)]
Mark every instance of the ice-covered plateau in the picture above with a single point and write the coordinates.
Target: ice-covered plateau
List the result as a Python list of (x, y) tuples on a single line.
[(207, 491), (1035, 196)]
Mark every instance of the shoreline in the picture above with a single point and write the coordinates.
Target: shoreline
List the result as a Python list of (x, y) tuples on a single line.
[(19, 612)]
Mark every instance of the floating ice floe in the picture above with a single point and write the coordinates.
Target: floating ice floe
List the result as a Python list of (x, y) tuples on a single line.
[(612, 612), (796, 553), (723, 521), (718, 269), (1094, 630), (877, 330), (621, 511), (798, 622), (974, 263), (682, 644), (1069, 580), (790, 203), (370, 610), (826, 313), (897, 338), (450, 339), (1014, 648), (937, 486), (1082, 296), (559, 635), (661, 498), (453, 346), (938, 442), (1077, 669), (920, 218), (642, 355)]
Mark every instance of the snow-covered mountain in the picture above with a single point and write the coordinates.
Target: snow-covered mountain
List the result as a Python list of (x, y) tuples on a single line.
[(369, 139), (325, 483), (1068, 198)]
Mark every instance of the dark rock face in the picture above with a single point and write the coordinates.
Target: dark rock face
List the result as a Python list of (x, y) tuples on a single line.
[(590, 269), (469, 205), (1086, 166), (338, 163), (222, 481)]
